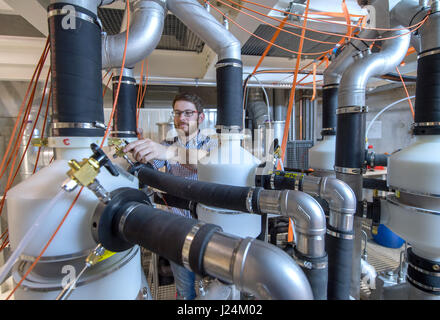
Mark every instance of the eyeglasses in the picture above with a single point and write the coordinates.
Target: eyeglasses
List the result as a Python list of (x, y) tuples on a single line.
[(188, 114)]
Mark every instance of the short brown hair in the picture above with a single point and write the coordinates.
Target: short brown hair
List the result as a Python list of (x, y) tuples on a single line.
[(190, 97)]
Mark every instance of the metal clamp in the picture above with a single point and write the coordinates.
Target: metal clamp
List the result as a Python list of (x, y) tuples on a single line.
[(348, 170), (78, 125), (340, 235), (330, 86), (124, 218), (426, 124), (122, 132), (272, 181), (310, 265), (428, 53), (356, 109), (76, 14), (133, 83), (418, 284), (228, 64), (249, 200), (187, 244)]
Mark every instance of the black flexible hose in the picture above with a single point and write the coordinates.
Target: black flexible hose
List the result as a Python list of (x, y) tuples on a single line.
[(375, 184), (211, 194), (76, 63), (340, 253), (124, 121), (329, 106), (152, 229), (316, 272)]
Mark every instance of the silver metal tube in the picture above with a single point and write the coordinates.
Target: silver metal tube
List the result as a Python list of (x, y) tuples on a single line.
[(354, 80), (309, 218), (91, 5), (207, 28), (256, 267), (145, 33), (333, 74)]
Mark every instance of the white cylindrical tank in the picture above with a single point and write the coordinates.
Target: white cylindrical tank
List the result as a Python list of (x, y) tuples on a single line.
[(29, 199), (116, 278), (232, 165), (416, 170), (322, 154)]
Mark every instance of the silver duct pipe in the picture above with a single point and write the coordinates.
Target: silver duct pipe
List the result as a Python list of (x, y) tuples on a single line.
[(256, 267), (354, 81), (207, 28), (310, 224), (333, 73), (339, 196), (145, 33)]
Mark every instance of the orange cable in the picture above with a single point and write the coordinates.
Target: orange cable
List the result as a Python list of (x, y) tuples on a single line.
[(314, 19), (271, 25), (406, 91), (43, 128), (269, 46), (416, 26), (314, 82), (47, 244), (120, 76), (11, 139), (142, 98), (106, 86), (260, 38)]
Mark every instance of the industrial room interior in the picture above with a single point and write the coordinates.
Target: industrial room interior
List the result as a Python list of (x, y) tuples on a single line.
[(323, 183)]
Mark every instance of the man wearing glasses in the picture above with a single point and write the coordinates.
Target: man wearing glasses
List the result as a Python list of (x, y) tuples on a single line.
[(179, 156)]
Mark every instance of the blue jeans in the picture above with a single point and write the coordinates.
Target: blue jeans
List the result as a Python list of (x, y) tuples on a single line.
[(184, 280)]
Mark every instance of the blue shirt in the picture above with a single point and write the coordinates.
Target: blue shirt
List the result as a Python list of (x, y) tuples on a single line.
[(199, 142)]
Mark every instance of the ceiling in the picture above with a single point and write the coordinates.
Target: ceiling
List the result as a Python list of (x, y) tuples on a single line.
[(181, 57)]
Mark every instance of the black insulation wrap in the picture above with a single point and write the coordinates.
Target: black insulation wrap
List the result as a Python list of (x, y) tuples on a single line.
[(153, 229), (211, 194), (375, 184), (125, 115), (329, 106), (318, 278), (340, 253), (76, 63), (279, 182), (423, 273), (427, 105), (172, 201), (350, 140), (230, 94)]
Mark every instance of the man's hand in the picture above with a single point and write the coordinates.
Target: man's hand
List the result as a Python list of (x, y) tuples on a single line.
[(146, 150)]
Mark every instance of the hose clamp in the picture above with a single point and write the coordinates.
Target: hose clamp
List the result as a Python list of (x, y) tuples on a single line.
[(249, 200), (356, 109), (78, 125), (330, 86), (272, 181), (76, 14), (124, 217), (228, 64), (423, 286), (309, 264), (328, 129), (187, 244), (122, 132), (340, 235), (428, 53), (426, 124), (348, 170), (133, 83)]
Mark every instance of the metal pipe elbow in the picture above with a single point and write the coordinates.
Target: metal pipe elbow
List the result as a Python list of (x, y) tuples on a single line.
[(354, 81), (342, 203), (145, 33), (207, 28), (269, 273), (310, 223)]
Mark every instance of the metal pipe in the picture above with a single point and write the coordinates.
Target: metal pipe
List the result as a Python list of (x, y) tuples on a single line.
[(354, 81), (256, 267), (207, 28), (310, 224), (333, 73), (145, 33)]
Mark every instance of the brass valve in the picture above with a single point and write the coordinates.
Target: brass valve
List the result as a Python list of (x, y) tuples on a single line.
[(118, 144), (84, 172)]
